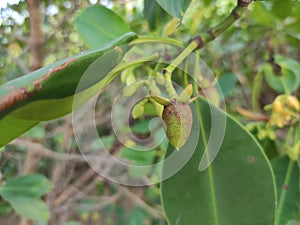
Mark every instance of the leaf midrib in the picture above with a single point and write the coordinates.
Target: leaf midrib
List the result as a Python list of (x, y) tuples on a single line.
[(210, 170)]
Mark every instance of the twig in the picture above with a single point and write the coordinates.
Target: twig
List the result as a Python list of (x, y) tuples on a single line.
[(105, 201), (200, 41), (212, 33), (139, 202), (252, 115), (39, 149), (71, 190), (20, 63)]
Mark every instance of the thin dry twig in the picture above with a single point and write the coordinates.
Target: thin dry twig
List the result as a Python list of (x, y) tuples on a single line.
[(71, 190), (139, 202), (39, 149)]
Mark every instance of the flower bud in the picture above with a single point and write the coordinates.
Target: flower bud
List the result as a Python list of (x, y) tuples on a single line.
[(292, 102)]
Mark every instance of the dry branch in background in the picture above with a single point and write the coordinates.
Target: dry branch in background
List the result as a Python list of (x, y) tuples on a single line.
[(36, 34)]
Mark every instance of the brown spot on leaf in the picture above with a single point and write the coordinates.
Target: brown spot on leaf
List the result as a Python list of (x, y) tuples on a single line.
[(251, 159)]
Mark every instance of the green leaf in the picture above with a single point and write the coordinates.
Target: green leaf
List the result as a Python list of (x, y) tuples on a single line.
[(137, 216), (98, 25), (154, 14), (5, 209), (38, 132), (34, 185), (287, 179), (261, 15), (289, 79), (57, 89), (237, 188), (23, 194), (13, 128), (32, 208), (227, 82), (292, 65), (175, 8), (282, 9), (140, 157)]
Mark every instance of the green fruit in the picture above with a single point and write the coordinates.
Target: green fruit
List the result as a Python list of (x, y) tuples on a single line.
[(139, 108), (178, 118)]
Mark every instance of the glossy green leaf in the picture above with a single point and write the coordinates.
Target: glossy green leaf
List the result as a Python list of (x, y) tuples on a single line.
[(237, 188), (13, 128), (175, 8), (287, 180), (98, 25), (23, 193), (58, 89)]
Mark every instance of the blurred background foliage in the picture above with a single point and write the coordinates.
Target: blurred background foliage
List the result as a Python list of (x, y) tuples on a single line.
[(269, 34)]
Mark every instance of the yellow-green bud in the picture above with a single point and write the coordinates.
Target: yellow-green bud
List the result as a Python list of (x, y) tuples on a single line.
[(138, 109), (292, 102)]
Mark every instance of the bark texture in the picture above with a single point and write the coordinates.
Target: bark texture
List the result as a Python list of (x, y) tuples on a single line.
[(36, 34)]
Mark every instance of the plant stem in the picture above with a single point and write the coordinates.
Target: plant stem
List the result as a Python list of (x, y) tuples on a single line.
[(289, 138), (200, 41), (211, 34), (126, 65), (185, 53), (158, 40)]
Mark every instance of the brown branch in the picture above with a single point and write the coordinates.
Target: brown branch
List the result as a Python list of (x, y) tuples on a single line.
[(39, 149), (252, 115), (71, 190), (139, 202), (36, 34), (214, 32), (22, 38), (104, 201)]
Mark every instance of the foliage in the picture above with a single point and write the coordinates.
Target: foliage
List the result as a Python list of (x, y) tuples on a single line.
[(23, 193), (254, 179)]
